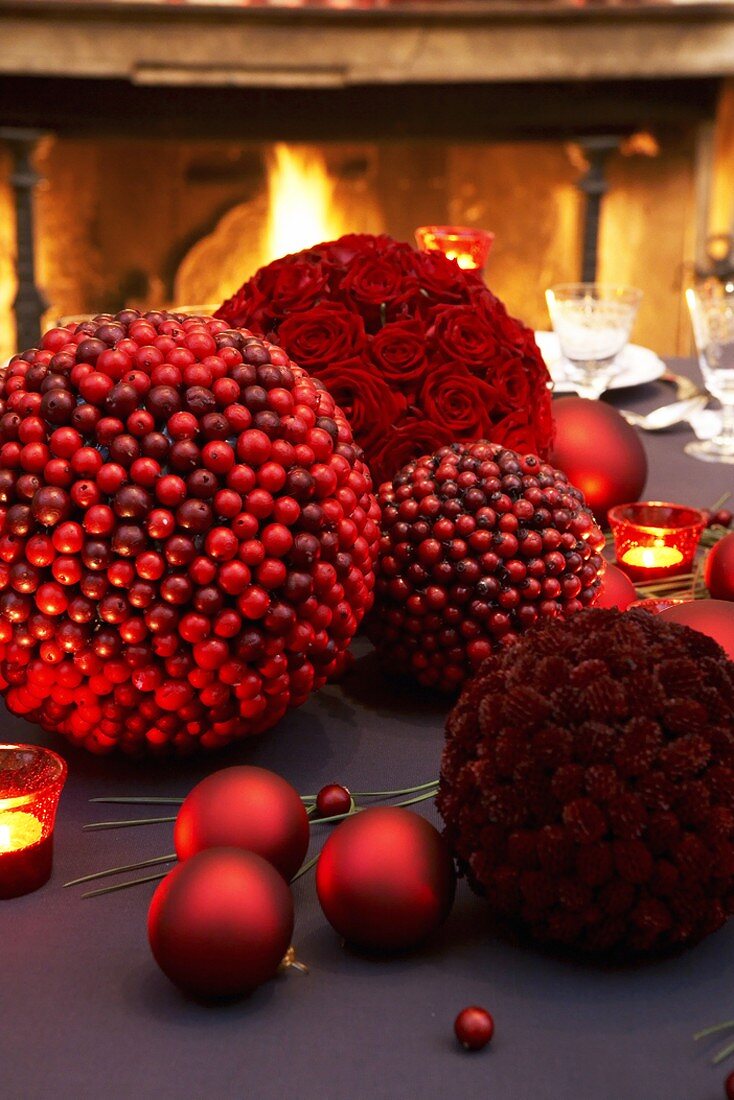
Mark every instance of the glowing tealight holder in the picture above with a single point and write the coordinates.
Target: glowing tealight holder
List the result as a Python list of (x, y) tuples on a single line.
[(469, 247), (31, 781), (654, 539)]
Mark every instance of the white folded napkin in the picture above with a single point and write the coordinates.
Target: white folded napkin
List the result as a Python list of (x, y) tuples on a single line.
[(706, 423)]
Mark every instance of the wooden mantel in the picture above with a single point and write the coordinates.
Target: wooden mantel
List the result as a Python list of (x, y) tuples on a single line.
[(146, 42)]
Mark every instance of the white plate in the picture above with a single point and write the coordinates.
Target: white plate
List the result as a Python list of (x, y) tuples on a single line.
[(636, 365)]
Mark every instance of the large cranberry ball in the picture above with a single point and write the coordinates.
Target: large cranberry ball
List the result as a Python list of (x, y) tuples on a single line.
[(478, 544), (587, 783), (187, 533)]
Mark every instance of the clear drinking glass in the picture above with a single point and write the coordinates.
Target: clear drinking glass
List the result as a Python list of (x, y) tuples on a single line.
[(593, 322), (712, 314)]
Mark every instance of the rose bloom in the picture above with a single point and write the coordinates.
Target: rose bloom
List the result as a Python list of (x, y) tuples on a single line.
[(399, 352), (320, 335), (453, 397), (413, 437), (369, 404)]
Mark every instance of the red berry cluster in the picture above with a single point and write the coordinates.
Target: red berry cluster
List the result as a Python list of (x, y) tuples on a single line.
[(478, 544), (587, 783), (187, 533)]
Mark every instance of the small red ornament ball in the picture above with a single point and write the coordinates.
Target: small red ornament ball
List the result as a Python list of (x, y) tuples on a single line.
[(617, 590), (333, 799), (220, 924), (719, 569), (729, 1086), (712, 617), (474, 1027), (248, 808), (599, 452), (385, 879)]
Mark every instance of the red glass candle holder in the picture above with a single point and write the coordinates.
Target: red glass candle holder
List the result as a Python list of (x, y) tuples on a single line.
[(655, 539), (31, 781), (469, 247)]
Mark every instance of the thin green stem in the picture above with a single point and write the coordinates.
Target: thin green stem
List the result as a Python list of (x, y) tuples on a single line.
[(170, 858), (125, 885), (403, 790), (720, 502), (725, 1053), (98, 825), (305, 868), (714, 1030)]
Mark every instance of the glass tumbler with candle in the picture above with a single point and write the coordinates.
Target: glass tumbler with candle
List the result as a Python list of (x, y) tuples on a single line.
[(469, 247), (31, 781), (593, 322), (655, 539), (712, 314)]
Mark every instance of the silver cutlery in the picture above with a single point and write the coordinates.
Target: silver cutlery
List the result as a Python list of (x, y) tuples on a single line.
[(665, 416)]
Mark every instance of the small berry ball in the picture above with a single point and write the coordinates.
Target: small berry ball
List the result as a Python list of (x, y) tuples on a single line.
[(174, 572), (478, 544), (722, 518), (333, 800), (474, 1027)]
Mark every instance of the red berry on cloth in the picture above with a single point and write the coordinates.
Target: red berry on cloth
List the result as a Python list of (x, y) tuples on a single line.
[(333, 800), (474, 1027)]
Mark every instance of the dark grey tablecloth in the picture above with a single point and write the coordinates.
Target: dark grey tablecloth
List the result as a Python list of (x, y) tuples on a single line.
[(85, 1013)]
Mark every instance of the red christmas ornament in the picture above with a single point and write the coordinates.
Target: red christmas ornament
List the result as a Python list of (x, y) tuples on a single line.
[(187, 533), (385, 879), (220, 924), (478, 544), (587, 783), (249, 808), (332, 800), (616, 590), (599, 452), (719, 569), (712, 617), (474, 1027)]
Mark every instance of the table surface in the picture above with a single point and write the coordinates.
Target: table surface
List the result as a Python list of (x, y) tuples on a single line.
[(85, 1012)]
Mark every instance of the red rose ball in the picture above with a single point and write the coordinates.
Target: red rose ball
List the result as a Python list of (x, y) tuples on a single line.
[(478, 544), (385, 879), (187, 533), (712, 617), (220, 924), (587, 783), (616, 590), (249, 808), (598, 451), (719, 569)]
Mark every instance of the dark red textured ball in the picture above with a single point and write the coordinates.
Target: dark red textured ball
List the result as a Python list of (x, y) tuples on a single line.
[(474, 1027), (712, 617), (599, 451), (187, 533), (478, 544), (249, 808), (385, 879), (220, 924), (587, 783)]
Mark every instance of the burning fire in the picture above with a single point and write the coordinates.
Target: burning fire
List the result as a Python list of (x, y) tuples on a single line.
[(301, 207)]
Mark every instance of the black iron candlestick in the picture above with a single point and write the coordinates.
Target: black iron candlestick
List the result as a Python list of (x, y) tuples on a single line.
[(29, 303)]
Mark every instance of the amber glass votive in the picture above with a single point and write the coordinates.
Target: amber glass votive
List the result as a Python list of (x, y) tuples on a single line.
[(655, 539), (469, 247), (31, 781)]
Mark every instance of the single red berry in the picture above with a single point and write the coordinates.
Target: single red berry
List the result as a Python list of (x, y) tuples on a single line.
[(333, 799), (722, 518), (474, 1027)]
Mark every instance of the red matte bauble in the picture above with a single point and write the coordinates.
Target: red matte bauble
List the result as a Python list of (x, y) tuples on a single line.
[(249, 808), (385, 879), (220, 924), (617, 590), (599, 452), (712, 617), (719, 569)]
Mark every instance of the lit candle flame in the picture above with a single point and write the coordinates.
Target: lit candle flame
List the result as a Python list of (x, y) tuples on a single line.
[(5, 838), (653, 557), (18, 830)]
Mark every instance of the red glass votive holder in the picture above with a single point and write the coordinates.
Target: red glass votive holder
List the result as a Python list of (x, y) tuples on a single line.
[(469, 247), (31, 781), (654, 539)]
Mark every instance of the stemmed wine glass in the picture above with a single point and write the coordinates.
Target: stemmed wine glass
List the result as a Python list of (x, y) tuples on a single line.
[(712, 315), (593, 322)]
